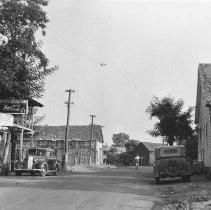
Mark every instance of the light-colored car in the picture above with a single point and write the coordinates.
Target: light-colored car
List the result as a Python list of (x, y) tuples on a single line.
[(38, 160), (170, 161)]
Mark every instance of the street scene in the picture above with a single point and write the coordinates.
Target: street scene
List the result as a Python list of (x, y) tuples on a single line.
[(104, 188), (105, 104)]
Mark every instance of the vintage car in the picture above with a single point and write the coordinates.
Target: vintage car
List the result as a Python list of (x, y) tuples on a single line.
[(170, 161), (38, 160)]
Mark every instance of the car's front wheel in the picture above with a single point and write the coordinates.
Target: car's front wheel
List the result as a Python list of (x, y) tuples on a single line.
[(43, 171), (56, 170)]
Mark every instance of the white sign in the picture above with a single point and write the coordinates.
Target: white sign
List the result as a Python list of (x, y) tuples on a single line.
[(6, 120)]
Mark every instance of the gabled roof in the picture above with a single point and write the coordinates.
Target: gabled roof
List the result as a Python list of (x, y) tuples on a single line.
[(203, 87), (79, 132), (151, 146)]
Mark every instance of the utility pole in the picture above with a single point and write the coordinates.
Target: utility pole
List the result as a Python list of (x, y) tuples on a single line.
[(67, 127), (91, 136)]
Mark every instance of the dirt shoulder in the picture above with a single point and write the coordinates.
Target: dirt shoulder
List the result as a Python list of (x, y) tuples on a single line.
[(179, 195)]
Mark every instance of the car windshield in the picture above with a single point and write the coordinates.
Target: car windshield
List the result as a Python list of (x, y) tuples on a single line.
[(37, 152)]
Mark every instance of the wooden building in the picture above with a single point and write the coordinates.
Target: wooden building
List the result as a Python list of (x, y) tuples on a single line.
[(16, 120), (203, 114), (146, 152), (78, 142)]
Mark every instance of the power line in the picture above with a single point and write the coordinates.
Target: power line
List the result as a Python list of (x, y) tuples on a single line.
[(104, 64)]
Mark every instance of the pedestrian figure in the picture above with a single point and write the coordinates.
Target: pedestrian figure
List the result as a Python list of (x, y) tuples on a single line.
[(137, 158)]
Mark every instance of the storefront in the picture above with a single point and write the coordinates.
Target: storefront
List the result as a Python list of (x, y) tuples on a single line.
[(16, 120)]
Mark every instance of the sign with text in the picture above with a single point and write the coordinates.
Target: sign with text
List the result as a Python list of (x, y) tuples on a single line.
[(6, 120), (14, 106)]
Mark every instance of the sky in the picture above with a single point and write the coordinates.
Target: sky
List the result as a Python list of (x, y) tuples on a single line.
[(149, 48)]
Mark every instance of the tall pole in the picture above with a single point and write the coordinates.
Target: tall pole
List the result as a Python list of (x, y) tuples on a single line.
[(67, 126), (91, 136)]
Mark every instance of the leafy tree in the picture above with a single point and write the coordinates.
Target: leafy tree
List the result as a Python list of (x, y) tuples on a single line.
[(191, 146), (23, 66), (110, 155), (120, 139), (132, 149), (126, 159), (173, 124)]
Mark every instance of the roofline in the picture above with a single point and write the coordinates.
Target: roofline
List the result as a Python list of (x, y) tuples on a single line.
[(33, 102)]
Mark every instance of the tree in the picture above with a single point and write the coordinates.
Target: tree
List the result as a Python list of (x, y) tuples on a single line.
[(120, 139), (110, 155), (173, 124), (132, 150), (23, 66), (191, 146)]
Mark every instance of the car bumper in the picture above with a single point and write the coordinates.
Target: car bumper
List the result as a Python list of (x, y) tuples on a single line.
[(23, 170), (181, 174)]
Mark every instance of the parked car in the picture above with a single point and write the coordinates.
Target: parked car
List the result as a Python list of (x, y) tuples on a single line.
[(170, 161), (38, 160)]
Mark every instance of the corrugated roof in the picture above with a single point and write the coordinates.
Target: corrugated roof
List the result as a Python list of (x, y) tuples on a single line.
[(78, 132), (151, 146)]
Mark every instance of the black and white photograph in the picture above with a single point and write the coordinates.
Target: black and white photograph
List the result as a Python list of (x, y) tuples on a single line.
[(105, 104)]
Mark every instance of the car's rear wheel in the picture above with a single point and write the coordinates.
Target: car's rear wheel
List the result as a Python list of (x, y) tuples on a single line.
[(43, 171), (157, 180), (18, 173)]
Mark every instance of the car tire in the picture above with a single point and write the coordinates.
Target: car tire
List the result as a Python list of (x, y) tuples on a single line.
[(18, 173), (157, 180), (43, 171), (174, 164), (56, 170)]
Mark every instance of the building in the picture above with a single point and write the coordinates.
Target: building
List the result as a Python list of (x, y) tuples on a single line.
[(146, 152), (16, 120), (78, 142), (203, 114)]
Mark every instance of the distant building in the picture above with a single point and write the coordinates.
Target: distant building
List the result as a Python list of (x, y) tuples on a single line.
[(78, 142), (203, 113), (146, 151)]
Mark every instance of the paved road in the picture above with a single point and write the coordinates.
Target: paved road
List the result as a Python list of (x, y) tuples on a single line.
[(101, 189)]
